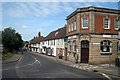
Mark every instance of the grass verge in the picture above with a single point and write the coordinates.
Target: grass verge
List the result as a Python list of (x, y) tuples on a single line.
[(7, 56)]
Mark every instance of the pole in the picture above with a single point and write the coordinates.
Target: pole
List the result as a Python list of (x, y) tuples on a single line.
[(118, 43)]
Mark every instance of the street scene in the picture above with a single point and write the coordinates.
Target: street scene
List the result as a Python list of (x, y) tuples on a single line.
[(60, 40)]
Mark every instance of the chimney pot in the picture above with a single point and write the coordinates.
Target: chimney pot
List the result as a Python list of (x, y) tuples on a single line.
[(39, 34)]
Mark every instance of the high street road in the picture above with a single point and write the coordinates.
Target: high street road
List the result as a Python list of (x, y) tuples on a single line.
[(34, 66)]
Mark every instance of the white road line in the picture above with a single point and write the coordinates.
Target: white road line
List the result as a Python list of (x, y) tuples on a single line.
[(35, 59), (106, 76)]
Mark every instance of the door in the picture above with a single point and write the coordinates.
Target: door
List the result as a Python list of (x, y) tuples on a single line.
[(65, 55), (84, 51)]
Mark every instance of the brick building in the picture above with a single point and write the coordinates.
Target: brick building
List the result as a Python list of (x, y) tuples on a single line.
[(93, 34)]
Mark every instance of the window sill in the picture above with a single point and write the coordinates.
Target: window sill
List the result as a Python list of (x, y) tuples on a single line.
[(106, 53), (116, 29), (84, 28), (107, 29)]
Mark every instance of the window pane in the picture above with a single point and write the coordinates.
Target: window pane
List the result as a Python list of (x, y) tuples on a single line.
[(116, 24), (75, 25), (106, 23), (105, 46), (85, 23)]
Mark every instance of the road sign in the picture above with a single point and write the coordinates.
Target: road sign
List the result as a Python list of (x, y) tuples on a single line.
[(65, 40), (119, 52)]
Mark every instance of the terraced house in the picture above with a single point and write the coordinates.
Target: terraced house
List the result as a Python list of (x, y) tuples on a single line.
[(34, 44), (93, 34), (53, 44)]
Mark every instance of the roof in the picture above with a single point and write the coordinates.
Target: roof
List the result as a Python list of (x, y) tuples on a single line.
[(36, 40), (95, 9), (57, 34)]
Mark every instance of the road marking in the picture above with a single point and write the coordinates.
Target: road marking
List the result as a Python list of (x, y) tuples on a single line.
[(109, 75), (19, 73), (104, 75), (35, 59)]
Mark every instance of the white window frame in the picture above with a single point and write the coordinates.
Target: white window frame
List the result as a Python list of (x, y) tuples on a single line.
[(108, 23), (70, 46), (75, 25), (117, 24), (74, 44), (69, 27), (83, 23), (72, 26)]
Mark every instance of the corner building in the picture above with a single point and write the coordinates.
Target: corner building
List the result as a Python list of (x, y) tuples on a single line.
[(93, 35)]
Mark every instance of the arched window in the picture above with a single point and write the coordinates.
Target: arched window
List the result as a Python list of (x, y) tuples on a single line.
[(106, 46), (69, 44), (74, 46)]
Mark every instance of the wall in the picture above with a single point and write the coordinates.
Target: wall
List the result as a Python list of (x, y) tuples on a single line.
[(99, 23)]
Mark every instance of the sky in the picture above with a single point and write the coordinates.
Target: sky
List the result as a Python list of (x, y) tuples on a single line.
[(29, 18)]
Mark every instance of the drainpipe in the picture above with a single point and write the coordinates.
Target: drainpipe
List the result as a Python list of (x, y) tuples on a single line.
[(118, 43)]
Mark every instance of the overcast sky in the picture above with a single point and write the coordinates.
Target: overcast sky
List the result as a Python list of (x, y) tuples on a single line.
[(29, 18)]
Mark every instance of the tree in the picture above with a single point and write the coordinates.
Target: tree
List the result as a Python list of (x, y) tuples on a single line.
[(11, 40)]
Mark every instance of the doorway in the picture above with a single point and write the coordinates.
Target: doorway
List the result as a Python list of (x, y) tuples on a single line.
[(84, 51)]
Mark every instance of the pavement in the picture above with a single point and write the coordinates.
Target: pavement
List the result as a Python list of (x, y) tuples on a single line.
[(14, 58), (110, 70)]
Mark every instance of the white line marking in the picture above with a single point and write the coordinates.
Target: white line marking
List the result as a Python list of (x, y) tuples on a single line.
[(35, 59)]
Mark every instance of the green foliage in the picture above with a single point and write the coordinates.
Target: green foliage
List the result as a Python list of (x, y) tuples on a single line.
[(60, 54), (5, 51), (11, 40)]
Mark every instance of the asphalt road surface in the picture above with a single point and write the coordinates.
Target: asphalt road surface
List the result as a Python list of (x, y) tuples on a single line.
[(34, 66)]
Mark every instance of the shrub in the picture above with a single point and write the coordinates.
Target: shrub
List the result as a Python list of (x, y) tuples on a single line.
[(5, 51)]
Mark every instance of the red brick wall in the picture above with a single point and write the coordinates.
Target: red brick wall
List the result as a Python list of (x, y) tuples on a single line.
[(70, 21), (99, 23)]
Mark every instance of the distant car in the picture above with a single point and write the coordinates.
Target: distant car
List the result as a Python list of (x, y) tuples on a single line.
[(22, 49)]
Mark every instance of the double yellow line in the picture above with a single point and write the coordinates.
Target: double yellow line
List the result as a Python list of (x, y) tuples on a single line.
[(109, 75)]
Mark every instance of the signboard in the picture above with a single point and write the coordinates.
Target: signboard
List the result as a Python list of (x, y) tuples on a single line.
[(65, 40), (96, 43), (106, 35), (119, 52)]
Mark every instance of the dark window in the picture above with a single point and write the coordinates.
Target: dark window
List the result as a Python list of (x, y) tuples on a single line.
[(74, 46), (106, 46)]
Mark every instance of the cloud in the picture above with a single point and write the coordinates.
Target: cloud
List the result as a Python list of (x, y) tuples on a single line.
[(24, 26), (41, 29), (26, 9)]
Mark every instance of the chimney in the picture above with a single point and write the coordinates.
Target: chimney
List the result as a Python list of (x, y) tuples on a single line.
[(39, 34)]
